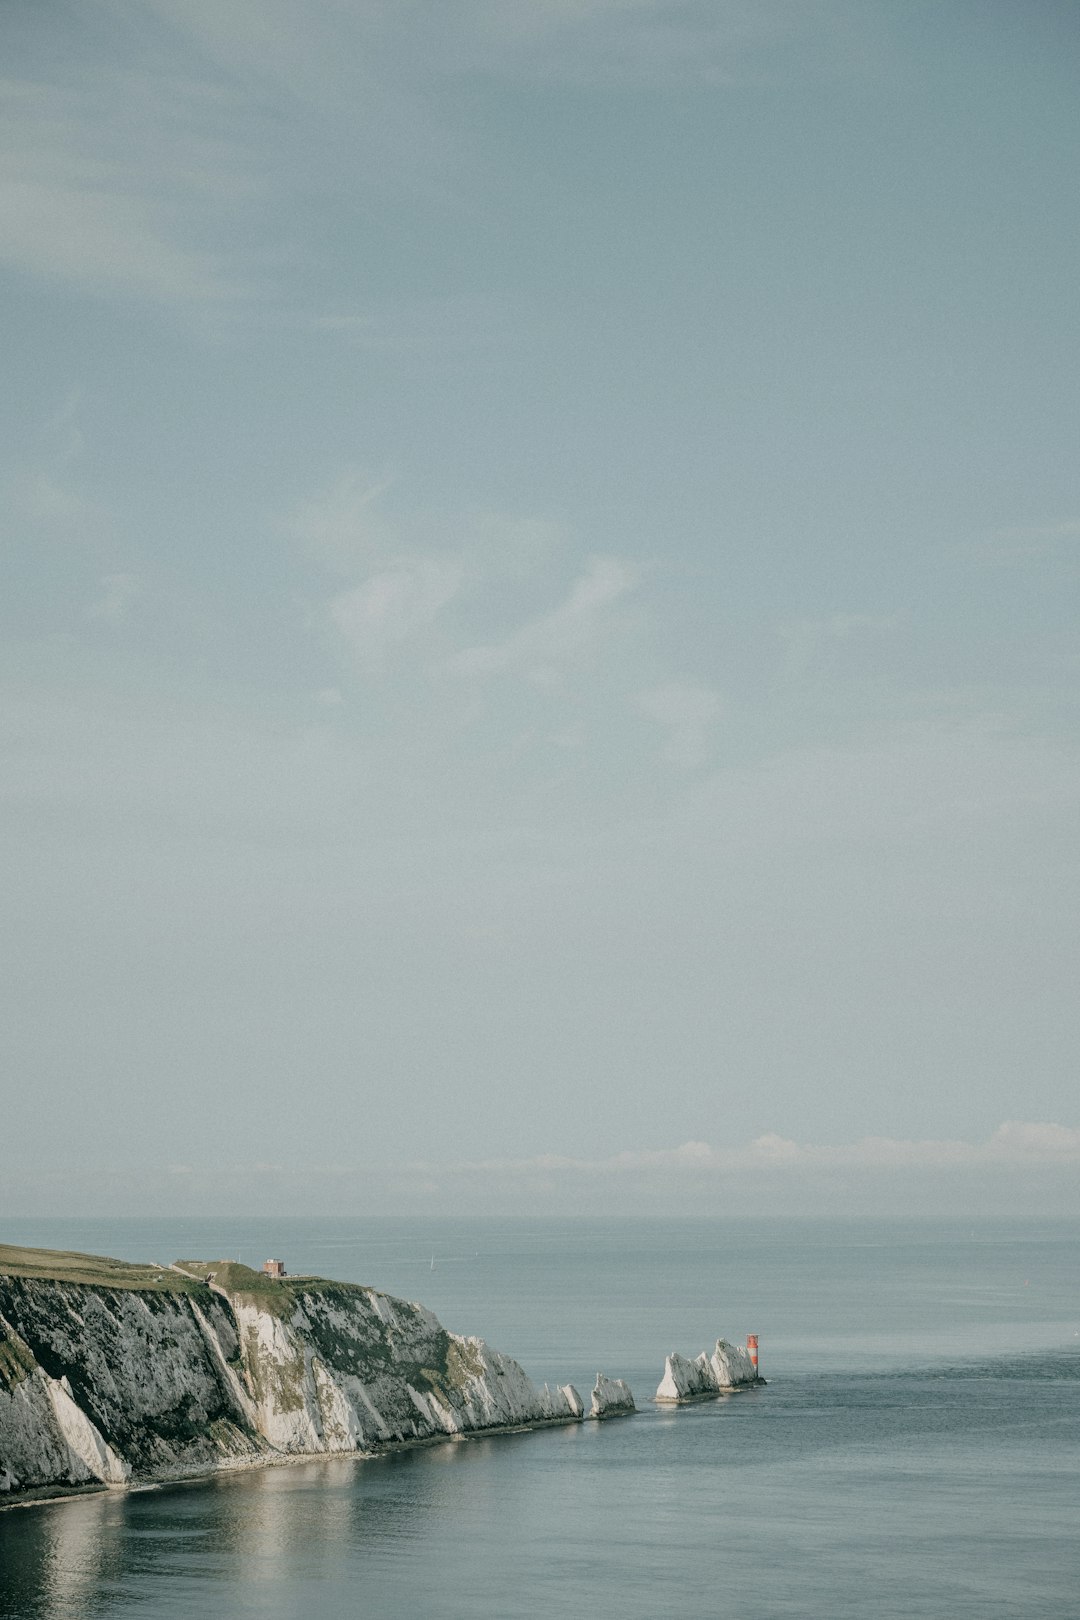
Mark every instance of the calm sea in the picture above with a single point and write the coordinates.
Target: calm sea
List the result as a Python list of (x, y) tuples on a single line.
[(917, 1451)]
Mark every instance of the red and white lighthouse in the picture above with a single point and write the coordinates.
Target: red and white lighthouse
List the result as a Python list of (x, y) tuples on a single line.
[(751, 1350)]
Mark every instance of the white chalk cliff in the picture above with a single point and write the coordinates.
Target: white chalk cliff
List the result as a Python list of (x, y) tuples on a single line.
[(728, 1367), (611, 1397), (181, 1376)]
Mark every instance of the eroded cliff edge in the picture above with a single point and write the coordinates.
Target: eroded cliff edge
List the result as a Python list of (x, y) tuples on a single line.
[(112, 1372)]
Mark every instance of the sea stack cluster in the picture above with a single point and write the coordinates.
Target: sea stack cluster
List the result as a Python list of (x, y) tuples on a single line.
[(729, 1367)]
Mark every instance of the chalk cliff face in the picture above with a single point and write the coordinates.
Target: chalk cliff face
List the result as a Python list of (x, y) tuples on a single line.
[(728, 1367), (128, 1378)]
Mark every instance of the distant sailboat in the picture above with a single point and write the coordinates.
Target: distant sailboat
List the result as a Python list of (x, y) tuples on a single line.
[(433, 1262)]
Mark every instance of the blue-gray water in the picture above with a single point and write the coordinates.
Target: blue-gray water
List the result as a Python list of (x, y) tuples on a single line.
[(916, 1454)]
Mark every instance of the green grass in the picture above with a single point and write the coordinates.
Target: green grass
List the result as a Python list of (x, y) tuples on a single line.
[(95, 1270), (98, 1271), (232, 1276), (15, 1361), (275, 1294)]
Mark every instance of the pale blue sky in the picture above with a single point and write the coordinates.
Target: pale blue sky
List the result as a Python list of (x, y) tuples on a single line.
[(540, 613)]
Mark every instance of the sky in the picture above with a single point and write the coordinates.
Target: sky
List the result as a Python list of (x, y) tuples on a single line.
[(540, 657)]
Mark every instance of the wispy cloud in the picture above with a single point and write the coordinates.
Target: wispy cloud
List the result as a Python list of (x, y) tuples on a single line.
[(450, 324), (642, 42), (688, 712), (355, 525), (100, 239), (1015, 1142), (48, 500), (618, 42), (343, 527), (874, 1175), (402, 568), (545, 648), (156, 168), (1025, 543), (137, 217), (115, 594), (46, 491), (804, 639), (1039, 532), (393, 605), (363, 67)]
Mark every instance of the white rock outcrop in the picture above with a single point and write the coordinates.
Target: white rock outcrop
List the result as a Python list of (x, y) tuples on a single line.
[(107, 1384), (83, 1439), (611, 1397), (728, 1367), (562, 1403)]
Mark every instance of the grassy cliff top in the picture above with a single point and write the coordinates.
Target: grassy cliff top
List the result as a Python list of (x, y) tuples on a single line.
[(96, 1270), (272, 1293), (184, 1277)]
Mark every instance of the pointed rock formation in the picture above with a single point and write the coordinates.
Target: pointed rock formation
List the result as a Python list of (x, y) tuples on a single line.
[(611, 1397), (729, 1367)]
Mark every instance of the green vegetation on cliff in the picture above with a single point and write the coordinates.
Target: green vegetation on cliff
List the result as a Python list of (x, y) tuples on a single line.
[(96, 1270), (278, 1295)]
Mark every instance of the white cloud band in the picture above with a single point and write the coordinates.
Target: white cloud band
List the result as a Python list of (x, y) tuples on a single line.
[(1015, 1142)]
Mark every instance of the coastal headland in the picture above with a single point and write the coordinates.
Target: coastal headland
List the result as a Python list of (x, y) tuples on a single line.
[(113, 1373)]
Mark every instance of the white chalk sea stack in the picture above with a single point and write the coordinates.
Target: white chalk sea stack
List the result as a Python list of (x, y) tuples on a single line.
[(611, 1397), (728, 1367)]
